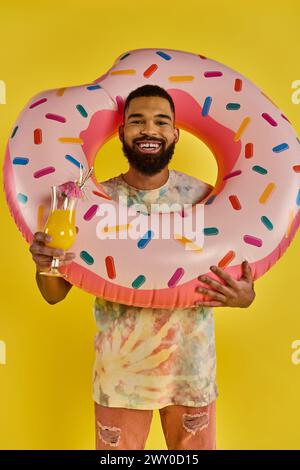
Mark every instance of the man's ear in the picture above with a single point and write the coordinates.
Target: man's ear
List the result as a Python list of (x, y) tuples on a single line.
[(176, 130), (121, 132)]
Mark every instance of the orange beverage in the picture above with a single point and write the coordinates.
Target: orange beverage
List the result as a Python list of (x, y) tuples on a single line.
[(61, 228)]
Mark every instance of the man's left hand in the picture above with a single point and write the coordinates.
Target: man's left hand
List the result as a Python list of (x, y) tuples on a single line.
[(233, 293)]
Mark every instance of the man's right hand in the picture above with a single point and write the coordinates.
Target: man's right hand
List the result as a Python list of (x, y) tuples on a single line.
[(43, 255)]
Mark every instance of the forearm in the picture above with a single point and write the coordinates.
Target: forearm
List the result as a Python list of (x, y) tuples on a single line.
[(53, 289)]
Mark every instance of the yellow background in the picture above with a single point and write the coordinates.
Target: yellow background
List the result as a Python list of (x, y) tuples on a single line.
[(45, 386)]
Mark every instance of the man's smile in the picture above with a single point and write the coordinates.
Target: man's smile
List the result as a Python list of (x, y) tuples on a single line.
[(148, 146)]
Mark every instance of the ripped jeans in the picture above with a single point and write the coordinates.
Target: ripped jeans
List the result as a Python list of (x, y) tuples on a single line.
[(184, 427)]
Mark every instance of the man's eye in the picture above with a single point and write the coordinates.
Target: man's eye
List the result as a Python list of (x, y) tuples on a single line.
[(162, 122), (135, 122)]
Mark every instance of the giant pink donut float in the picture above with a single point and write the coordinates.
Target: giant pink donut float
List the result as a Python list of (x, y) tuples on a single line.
[(252, 213)]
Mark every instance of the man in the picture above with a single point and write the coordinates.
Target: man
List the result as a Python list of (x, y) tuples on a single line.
[(147, 358)]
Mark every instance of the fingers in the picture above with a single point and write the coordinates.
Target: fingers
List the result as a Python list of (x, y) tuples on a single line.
[(41, 237), (212, 293), (215, 284), (247, 272), (212, 303), (224, 275)]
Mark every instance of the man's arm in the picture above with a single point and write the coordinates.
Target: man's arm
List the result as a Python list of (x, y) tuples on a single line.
[(53, 289)]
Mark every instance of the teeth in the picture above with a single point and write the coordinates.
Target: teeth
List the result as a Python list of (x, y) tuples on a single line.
[(149, 145)]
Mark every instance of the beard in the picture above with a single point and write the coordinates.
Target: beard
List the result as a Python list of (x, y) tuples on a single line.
[(148, 164)]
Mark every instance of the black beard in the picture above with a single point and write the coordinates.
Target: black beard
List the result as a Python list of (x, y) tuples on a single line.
[(148, 164)]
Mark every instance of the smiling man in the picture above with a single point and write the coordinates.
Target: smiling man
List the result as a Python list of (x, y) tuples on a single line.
[(146, 358)]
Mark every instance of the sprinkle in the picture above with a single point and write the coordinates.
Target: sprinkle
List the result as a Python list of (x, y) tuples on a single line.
[(20, 161), (44, 172), (260, 169), (164, 55), (232, 174), (202, 56), (298, 198), (269, 119), (206, 105), (267, 222), (150, 70), (87, 258), (146, 238), (138, 281), (241, 129), (74, 140), (252, 240), (120, 104), (60, 91), (82, 111), (123, 72), (212, 74), (93, 87), (91, 212), (235, 202), (249, 150), (14, 132), (40, 218), (176, 277), (110, 267), (238, 84), (116, 228), (37, 136), (280, 147), (266, 193), (211, 231), (233, 106), (73, 160), (230, 255), (296, 168), (290, 223), (181, 78), (124, 56), (105, 196), (284, 117), (188, 244), (55, 117), (22, 198), (37, 103), (210, 200)]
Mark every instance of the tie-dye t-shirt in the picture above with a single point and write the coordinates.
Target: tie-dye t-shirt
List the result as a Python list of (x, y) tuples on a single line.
[(150, 358)]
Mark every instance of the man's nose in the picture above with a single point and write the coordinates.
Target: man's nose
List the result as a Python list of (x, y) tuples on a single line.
[(148, 128)]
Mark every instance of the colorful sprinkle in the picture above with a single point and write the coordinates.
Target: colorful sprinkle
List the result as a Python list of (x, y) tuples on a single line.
[(249, 150), (235, 202), (213, 74), (138, 282), (14, 132), (211, 231), (20, 161), (241, 129), (267, 193), (146, 238), (238, 84), (206, 105), (267, 222), (210, 200), (232, 174), (230, 255), (44, 172), (280, 147), (269, 119), (74, 161), (124, 56), (260, 169), (252, 240), (93, 87), (37, 103), (37, 136), (55, 117), (150, 70), (176, 277), (188, 244), (233, 106), (298, 198), (22, 198), (73, 140), (123, 72), (81, 110), (40, 218), (60, 91), (91, 212), (296, 168), (110, 267), (116, 228), (105, 196), (181, 78), (87, 258), (164, 55)]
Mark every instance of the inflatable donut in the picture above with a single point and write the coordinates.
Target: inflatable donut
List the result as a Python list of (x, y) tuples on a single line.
[(252, 212)]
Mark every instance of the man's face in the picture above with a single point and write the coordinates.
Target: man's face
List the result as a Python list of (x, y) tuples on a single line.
[(148, 134)]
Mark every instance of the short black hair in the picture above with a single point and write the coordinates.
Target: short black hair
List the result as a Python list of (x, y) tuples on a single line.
[(149, 90)]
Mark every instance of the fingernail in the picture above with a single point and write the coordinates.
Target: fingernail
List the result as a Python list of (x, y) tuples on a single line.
[(213, 268)]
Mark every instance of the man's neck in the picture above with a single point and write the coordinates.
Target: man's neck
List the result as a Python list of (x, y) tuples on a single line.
[(140, 181)]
